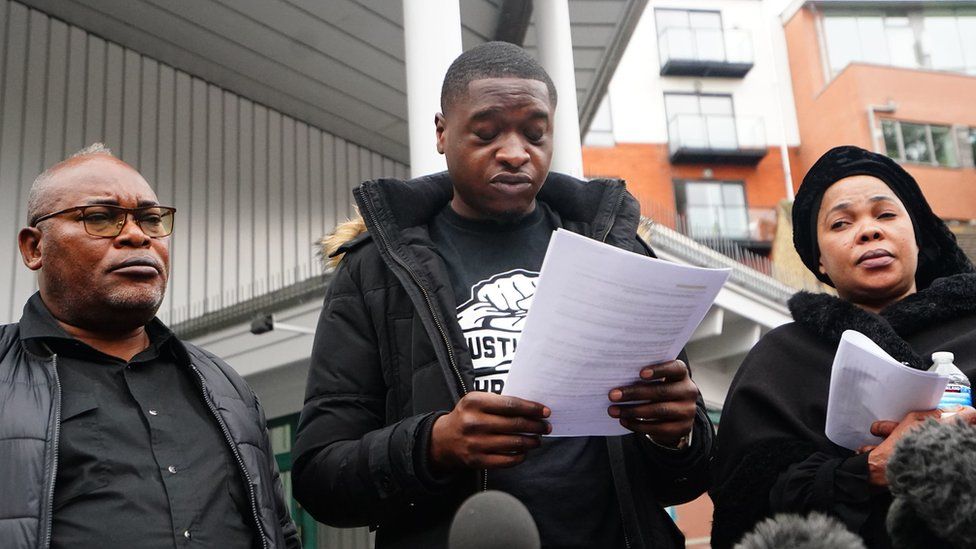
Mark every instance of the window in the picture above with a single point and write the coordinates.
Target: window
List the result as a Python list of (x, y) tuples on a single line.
[(972, 143), (713, 209), (701, 121), (920, 143), (943, 39), (685, 34)]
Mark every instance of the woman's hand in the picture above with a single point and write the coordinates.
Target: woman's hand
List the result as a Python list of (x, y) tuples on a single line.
[(893, 431)]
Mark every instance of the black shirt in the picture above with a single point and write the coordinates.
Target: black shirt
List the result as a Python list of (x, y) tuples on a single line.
[(142, 461), (566, 483)]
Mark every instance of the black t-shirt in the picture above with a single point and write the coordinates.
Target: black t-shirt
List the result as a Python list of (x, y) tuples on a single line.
[(566, 484)]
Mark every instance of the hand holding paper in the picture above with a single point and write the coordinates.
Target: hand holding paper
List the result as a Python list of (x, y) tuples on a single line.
[(599, 315), (868, 385)]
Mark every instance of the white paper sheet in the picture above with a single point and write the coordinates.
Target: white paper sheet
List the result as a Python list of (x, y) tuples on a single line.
[(599, 315), (868, 385)]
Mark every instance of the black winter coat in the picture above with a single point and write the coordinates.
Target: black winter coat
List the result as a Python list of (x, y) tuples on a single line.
[(389, 357), (30, 409), (772, 453)]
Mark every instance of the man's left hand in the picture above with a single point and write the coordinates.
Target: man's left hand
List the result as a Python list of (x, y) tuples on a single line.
[(662, 405)]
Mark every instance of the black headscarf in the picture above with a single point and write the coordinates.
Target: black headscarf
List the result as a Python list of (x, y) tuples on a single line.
[(938, 253)]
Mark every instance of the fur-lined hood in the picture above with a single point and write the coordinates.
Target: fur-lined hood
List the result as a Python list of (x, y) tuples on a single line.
[(400, 205), (343, 234), (946, 298)]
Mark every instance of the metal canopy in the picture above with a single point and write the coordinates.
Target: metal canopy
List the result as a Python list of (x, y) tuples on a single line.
[(337, 64)]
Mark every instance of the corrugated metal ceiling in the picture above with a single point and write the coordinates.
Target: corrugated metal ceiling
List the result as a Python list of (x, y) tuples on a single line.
[(337, 64)]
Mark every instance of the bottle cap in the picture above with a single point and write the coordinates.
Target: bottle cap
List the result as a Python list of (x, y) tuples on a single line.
[(943, 357)]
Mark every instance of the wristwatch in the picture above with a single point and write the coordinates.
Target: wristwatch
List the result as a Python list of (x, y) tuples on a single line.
[(683, 442)]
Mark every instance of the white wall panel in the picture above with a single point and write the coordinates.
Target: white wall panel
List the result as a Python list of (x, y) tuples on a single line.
[(254, 188)]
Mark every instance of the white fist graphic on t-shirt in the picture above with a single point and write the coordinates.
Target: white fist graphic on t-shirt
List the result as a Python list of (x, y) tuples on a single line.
[(501, 302)]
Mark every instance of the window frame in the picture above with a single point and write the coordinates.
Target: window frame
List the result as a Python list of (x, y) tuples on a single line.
[(929, 141), (680, 187), (916, 17)]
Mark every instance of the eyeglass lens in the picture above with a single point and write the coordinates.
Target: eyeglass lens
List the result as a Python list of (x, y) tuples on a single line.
[(109, 220)]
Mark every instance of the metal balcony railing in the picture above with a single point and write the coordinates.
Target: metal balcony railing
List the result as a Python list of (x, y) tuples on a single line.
[(717, 138), (687, 51)]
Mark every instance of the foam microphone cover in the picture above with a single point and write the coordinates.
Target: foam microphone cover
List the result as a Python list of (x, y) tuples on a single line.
[(787, 531), (932, 477), (493, 520)]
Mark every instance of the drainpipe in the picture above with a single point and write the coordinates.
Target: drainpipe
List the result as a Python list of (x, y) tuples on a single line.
[(784, 150), (877, 133)]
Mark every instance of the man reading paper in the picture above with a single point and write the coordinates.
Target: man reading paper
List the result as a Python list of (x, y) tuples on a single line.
[(402, 418)]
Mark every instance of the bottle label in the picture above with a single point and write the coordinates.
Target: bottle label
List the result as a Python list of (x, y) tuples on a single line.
[(956, 394)]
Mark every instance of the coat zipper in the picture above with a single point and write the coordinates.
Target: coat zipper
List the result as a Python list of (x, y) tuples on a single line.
[(368, 207), (54, 461), (237, 456), (606, 233)]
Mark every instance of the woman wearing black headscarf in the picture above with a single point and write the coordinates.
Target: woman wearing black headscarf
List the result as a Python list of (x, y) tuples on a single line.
[(861, 225)]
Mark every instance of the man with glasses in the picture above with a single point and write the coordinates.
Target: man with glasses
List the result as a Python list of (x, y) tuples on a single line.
[(113, 432)]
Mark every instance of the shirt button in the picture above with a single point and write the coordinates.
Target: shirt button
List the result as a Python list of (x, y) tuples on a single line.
[(153, 413), (186, 534), (171, 469)]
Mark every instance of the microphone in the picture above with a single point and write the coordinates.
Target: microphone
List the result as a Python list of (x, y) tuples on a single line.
[(932, 478), (493, 520), (788, 531)]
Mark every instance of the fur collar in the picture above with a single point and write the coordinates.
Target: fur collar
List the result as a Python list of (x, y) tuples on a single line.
[(828, 316)]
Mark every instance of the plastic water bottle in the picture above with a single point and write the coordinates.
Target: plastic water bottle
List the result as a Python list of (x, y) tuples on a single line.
[(958, 391)]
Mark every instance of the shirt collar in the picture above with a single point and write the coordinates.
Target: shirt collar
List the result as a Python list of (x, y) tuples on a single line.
[(38, 322)]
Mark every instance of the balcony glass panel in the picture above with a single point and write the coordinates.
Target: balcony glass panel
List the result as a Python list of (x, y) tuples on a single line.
[(716, 132), (735, 222), (721, 132), (716, 210), (710, 44), (691, 131)]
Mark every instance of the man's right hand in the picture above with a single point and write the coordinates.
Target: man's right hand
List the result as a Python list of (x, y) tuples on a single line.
[(487, 431)]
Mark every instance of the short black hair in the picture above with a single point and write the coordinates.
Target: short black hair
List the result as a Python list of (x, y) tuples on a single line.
[(491, 60)]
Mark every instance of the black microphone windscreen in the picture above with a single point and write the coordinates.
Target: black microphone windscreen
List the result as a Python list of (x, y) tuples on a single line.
[(932, 478), (493, 520), (815, 531)]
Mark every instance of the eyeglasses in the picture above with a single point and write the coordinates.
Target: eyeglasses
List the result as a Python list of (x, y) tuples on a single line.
[(107, 221)]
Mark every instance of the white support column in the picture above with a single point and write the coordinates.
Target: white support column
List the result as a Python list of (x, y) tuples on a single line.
[(556, 56), (432, 40)]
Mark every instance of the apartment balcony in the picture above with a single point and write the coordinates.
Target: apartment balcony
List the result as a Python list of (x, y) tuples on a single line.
[(716, 139), (725, 53)]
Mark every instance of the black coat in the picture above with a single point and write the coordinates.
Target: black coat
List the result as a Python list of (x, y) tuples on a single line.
[(30, 409), (389, 356), (772, 455)]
